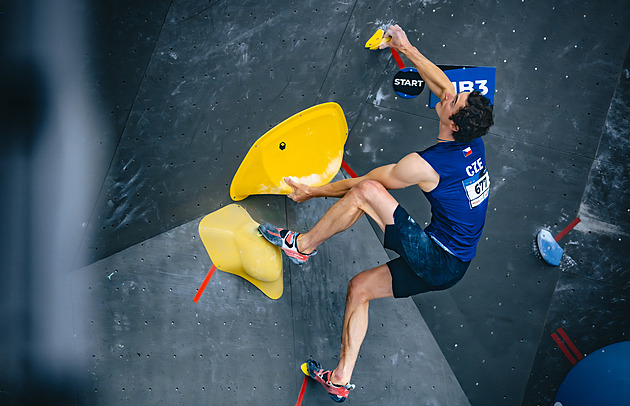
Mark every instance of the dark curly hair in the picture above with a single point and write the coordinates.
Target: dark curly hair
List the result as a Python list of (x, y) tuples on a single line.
[(474, 119)]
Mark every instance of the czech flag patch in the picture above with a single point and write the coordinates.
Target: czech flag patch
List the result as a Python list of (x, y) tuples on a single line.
[(467, 152)]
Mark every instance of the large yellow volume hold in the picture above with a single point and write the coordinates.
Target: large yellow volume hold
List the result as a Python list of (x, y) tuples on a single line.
[(307, 147), (235, 246)]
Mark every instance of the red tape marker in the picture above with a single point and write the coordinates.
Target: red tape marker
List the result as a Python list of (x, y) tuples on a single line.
[(204, 284), (564, 349), (572, 346), (567, 229), (397, 58), (350, 172), (304, 383)]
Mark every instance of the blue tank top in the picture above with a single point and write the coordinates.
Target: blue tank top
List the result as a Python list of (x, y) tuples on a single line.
[(460, 200)]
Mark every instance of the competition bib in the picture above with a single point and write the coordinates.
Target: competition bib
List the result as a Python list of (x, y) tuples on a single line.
[(477, 188)]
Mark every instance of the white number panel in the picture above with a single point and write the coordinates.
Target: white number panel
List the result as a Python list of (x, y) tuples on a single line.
[(477, 188)]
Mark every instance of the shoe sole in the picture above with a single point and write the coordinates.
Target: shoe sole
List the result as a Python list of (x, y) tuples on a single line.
[(295, 257), (312, 366)]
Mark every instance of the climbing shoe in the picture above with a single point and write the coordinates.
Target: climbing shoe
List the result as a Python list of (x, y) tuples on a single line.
[(338, 393), (286, 240)]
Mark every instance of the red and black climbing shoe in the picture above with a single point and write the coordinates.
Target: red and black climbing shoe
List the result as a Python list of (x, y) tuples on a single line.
[(285, 239), (338, 393)]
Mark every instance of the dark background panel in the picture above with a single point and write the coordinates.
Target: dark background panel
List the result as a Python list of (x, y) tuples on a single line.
[(220, 77), (614, 142), (590, 302), (591, 315), (121, 40), (605, 212), (601, 242)]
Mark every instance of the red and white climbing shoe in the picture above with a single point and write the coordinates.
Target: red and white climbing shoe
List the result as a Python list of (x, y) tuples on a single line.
[(338, 393), (286, 240)]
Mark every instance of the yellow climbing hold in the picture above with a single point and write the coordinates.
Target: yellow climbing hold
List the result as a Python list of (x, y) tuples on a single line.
[(377, 39), (235, 246), (304, 369), (307, 147)]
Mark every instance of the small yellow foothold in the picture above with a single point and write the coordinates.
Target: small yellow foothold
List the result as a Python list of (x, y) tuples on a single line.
[(304, 369), (377, 39)]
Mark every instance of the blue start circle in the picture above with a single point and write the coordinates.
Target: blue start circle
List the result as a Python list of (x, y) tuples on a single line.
[(408, 83), (602, 378)]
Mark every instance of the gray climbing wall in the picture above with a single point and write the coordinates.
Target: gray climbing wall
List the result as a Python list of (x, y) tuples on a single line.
[(591, 297), (123, 124), (236, 345)]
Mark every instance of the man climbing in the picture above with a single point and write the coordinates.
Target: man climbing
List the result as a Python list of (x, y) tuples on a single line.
[(453, 176)]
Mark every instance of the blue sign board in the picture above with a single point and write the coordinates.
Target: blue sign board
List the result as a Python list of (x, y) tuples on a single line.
[(467, 79)]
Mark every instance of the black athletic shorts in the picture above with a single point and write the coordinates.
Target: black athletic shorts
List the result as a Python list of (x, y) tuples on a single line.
[(423, 265)]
